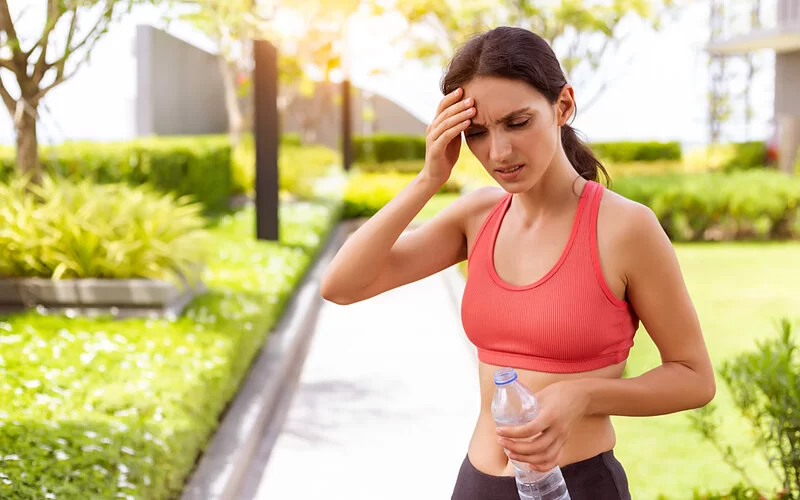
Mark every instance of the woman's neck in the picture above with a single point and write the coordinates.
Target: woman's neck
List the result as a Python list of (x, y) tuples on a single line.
[(557, 190)]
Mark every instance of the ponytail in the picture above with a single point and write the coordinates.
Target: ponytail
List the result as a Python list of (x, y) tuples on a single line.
[(581, 157)]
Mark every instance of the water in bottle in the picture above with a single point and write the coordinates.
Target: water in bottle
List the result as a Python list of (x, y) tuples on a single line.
[(514, 404)]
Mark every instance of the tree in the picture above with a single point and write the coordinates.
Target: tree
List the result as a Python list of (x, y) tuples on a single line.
[(68, 32), (232, 25), (583, 34), (314, 44)]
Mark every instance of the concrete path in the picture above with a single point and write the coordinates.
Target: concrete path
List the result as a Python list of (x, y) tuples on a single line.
[(385, 404)]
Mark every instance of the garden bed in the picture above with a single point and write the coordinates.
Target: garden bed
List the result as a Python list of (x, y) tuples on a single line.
[(102, 408)]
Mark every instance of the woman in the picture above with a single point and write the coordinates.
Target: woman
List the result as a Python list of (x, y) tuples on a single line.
[(561, 272)]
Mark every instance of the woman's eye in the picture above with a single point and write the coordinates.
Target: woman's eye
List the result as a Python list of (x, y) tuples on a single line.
[(519, 124), (473, 134)]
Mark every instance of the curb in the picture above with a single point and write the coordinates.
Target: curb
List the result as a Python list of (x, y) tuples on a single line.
[(221, 470)]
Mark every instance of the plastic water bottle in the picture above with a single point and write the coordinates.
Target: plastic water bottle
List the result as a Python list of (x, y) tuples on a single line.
[(514, 404)]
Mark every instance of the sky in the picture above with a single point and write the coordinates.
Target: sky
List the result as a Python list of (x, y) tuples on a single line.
[(658, 84)]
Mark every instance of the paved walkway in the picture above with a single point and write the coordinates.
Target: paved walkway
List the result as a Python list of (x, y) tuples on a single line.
[(385, 404)]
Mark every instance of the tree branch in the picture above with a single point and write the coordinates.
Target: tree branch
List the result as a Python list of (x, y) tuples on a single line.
[(53, 15), (10, 102), (91, 39), (17, 56)]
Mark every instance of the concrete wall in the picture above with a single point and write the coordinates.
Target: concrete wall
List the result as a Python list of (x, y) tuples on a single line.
[(787, 106), (179, 87), (389, 116)]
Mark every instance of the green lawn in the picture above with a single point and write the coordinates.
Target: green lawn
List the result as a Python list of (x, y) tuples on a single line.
[(740, 290)]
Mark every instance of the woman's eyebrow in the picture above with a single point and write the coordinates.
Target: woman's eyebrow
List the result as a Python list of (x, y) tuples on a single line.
[(507, 117)]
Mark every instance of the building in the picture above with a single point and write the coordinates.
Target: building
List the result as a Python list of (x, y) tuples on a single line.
[(778, 30)]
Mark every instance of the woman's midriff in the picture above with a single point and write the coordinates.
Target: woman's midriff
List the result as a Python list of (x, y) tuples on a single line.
[(591, 436)]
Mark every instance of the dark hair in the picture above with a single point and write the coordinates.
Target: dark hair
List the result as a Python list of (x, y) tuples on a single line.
[(518, 54)]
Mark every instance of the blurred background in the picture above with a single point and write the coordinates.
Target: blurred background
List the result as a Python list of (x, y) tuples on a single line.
[(135, 291)]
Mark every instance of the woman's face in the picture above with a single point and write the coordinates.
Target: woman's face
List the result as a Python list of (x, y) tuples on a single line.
[(515, 132)]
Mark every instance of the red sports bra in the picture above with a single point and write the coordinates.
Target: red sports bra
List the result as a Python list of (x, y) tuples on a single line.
[(568, 321)]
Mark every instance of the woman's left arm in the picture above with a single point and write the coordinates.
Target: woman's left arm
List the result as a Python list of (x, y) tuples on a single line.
[(657, 292), (684, 379)]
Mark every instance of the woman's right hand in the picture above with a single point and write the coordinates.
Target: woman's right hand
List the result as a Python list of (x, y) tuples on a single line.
[(443, 136)]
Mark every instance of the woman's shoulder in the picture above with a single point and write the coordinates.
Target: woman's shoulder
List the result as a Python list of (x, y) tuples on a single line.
[(627, 225), (478, 203)]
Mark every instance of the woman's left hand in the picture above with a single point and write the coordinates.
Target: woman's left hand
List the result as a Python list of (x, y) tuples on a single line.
[(539, 442)]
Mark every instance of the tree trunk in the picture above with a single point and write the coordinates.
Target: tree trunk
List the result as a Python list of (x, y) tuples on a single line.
[(235, 118), (28, 147)]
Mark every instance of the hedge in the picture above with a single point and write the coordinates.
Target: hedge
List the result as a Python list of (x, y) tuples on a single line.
[(382, 148), (757, 204), (98, 408), (197, 166), (366, 193), (629, 151)]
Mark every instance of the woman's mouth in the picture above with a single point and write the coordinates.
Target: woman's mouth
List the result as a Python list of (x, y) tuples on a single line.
[(509, 172)]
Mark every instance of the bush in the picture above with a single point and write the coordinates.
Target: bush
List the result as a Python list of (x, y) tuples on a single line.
[(398, 166), (714, 206), (299, 167), (739, 492), (83, 230), (380, 148), (746, 155), (366, 193), (196, 166), (628, 151), (765, 385), (101, 408)]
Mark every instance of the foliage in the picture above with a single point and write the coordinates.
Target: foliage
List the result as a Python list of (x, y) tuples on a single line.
[(66, 37), (714, 206), (199, 166), (300, 168), (746, 155), (367, 193), (630, 151), (65, 230), (380, 148), (96, 408), (583, 35), (765, 385)]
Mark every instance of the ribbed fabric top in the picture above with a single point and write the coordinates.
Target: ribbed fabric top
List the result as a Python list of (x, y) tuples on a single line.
[(568, 321)]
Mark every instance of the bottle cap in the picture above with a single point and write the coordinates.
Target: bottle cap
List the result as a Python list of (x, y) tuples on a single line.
[(504, 376)]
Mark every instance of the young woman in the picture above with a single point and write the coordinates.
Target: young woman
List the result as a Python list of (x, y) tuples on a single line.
[(561, 272)]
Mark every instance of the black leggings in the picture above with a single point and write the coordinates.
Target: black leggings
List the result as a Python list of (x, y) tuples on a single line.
[(598, 478)]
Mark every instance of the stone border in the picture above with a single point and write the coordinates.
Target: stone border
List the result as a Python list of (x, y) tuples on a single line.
[(221, 471), (91, 296)]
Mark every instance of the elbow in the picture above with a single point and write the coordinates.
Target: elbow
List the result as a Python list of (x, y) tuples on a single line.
[(706, 390)]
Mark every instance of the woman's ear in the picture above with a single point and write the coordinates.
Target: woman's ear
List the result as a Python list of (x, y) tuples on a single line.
[(566, 105)]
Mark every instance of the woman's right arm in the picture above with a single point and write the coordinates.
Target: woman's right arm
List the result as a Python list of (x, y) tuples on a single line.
[(375, 258)]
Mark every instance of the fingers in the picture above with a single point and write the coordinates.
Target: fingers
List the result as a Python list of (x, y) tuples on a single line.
[(448, 100), (532, 447), (449, 113), (532, 428), (543, 462)]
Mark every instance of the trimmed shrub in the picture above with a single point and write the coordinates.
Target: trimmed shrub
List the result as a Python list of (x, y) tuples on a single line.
[(299, 167), (197, 166), (629, 151), (366, 193), (380, 148), (714, 206)]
